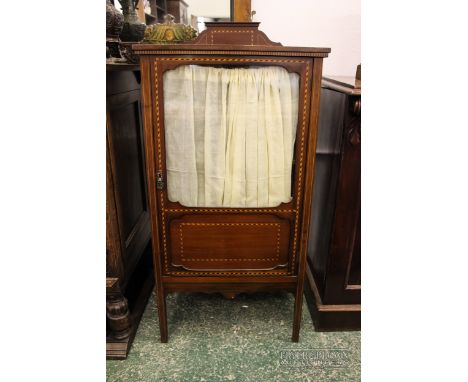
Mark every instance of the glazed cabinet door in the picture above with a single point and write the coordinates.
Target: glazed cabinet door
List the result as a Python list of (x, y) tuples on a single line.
[(229, 138)]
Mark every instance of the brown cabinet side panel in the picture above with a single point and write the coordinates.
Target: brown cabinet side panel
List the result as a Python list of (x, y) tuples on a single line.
[(346, 230), (128, 158), (354, 272), (331, 119), (127, 166)]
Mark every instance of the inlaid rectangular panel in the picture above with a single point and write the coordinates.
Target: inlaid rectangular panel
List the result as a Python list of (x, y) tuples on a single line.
[(246, 243)]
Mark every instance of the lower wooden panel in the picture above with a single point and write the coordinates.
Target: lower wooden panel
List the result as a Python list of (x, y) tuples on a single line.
[(330, 317), (231, 243), (231, 285)]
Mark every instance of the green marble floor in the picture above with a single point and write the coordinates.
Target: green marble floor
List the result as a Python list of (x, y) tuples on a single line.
[(246, 339)]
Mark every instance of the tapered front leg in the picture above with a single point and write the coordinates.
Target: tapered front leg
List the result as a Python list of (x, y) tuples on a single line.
[(162, 314), (297, 314)]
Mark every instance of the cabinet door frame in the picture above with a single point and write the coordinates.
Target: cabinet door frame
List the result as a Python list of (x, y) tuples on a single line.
[(166, 210)]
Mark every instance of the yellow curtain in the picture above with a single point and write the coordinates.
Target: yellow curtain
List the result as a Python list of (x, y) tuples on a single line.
[(230, 135)]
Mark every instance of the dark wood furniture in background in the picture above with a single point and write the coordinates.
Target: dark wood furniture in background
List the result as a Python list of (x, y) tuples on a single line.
[(333, 288), (128, 259), (178, 9), (271, 242), (158, 11)]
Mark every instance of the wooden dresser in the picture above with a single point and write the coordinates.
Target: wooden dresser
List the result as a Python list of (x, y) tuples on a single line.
[(333, 287), (128, 258), (219, 247)]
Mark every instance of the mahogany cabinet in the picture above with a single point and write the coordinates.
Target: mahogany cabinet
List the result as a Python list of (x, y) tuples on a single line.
[(230, 123), (128, 258), (333, 287)]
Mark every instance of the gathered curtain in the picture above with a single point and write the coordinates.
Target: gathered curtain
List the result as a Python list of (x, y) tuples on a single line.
[(229, 135)]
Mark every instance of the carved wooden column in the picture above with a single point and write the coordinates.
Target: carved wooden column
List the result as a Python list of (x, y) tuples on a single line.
[(117, 310)]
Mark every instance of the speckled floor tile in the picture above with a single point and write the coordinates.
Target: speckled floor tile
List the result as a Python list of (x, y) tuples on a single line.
[(215, 339)]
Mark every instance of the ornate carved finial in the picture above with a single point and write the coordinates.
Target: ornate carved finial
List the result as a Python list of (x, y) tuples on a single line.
[(169, 32)]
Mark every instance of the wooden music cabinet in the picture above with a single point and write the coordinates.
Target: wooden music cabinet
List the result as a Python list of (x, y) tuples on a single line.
[(230, 122)]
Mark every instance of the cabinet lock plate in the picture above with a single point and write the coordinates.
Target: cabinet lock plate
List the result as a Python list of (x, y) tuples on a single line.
[(159, 180)]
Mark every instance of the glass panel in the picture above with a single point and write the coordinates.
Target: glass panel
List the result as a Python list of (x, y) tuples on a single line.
[(230, 135)]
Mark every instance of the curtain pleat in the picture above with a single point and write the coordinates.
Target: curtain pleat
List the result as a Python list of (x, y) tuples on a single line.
[(230, 135)]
